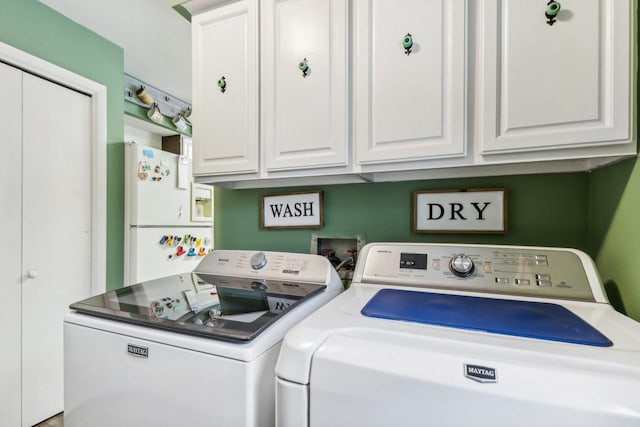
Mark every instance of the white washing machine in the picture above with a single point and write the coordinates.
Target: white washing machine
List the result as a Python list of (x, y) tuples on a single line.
[(463, 335), (190, 350)]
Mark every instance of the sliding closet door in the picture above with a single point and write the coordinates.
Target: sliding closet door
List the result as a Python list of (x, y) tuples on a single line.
[(56, 231), (10, 249)]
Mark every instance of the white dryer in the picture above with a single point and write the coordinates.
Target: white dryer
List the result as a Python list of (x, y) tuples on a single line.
[(463, 335), (193, 349)]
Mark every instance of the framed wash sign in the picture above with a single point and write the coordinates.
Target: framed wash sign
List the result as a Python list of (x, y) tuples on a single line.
[(476, 211), (292, 210)]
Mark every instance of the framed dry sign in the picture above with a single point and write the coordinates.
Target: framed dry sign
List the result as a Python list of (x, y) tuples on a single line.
[(292, 210), (477, 211)]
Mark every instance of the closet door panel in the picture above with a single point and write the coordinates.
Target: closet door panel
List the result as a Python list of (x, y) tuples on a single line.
[(56, 234), (10, 226)]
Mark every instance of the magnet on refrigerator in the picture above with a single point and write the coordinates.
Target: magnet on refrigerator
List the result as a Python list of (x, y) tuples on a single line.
[(160, 223)]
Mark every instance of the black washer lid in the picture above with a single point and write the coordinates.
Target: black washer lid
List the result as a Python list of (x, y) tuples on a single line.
[(233, 309)]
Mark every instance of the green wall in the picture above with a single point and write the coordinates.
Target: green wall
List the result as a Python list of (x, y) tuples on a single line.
[(615, 232), (32, 27), (544, 209), (614, 202)]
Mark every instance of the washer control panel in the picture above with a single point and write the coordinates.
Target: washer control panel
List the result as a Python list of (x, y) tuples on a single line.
[(512, 270), (266, 265)]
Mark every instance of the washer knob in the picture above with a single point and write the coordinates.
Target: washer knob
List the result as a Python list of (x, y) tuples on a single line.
[(258, 286), (461, 266), (258, 261)]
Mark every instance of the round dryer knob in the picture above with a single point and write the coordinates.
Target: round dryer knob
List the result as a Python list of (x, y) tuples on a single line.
[(258, 261), (461, 266)]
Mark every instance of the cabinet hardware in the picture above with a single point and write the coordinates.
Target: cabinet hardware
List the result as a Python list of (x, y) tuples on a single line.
[(553, 8), (304, 67), (407, 43), (222, 84)]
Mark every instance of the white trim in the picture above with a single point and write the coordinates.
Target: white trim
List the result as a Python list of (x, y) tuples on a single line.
[(98, 94)]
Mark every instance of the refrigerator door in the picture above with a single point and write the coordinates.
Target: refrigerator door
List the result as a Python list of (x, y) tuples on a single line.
[(156, 252), (158, 187)]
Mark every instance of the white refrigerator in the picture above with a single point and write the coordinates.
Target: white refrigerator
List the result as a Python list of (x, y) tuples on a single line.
[(168, 220)]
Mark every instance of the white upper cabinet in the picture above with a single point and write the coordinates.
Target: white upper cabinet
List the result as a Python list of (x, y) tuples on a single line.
[(225, 90), (557, 82), (304, 57), (373, 90), (410, 80)]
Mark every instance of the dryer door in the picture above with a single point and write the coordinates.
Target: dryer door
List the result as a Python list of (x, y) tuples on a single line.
[(377, 378)]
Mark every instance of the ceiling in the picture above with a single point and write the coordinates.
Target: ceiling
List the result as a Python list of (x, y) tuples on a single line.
[(155, 38)]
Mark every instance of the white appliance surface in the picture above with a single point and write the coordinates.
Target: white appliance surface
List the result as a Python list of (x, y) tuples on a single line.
[(154, 254), (160, 237), (125, 367), (156, 196), (340, 367)]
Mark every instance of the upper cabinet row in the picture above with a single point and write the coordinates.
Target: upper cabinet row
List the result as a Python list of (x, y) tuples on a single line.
[(290, 92)]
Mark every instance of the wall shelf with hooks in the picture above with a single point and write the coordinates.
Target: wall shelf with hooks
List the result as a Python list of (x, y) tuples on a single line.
[(169, 105)]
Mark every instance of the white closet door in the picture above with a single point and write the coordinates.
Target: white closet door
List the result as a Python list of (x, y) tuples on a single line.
[(56, 234), (10, 229)]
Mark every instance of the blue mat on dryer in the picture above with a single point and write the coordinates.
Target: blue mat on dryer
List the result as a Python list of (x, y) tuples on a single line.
[(527, 319)]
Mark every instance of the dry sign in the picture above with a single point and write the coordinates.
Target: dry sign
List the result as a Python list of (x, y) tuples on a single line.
[(463, 211), (293, 210)]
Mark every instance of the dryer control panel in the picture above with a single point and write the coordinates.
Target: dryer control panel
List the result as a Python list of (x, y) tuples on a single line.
[(511, 270)]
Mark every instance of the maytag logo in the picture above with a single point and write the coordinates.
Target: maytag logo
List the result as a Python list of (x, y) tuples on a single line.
[(137, 351), (482, 374)]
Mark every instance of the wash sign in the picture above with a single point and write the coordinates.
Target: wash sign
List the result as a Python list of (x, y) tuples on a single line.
[(293, 210), (463, 211)]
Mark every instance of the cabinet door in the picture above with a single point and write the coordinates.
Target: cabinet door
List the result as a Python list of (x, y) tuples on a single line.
[(409, 103), (10, 255), (304, 112), (225, 90), (544, 86)]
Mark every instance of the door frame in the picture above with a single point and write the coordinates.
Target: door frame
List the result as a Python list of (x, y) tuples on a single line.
[(98, 95)]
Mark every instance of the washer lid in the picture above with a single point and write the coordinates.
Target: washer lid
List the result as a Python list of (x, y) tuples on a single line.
[(226, 307), (528, 319)]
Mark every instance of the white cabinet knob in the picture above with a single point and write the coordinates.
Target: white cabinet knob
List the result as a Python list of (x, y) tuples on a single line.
[(32, 274)]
